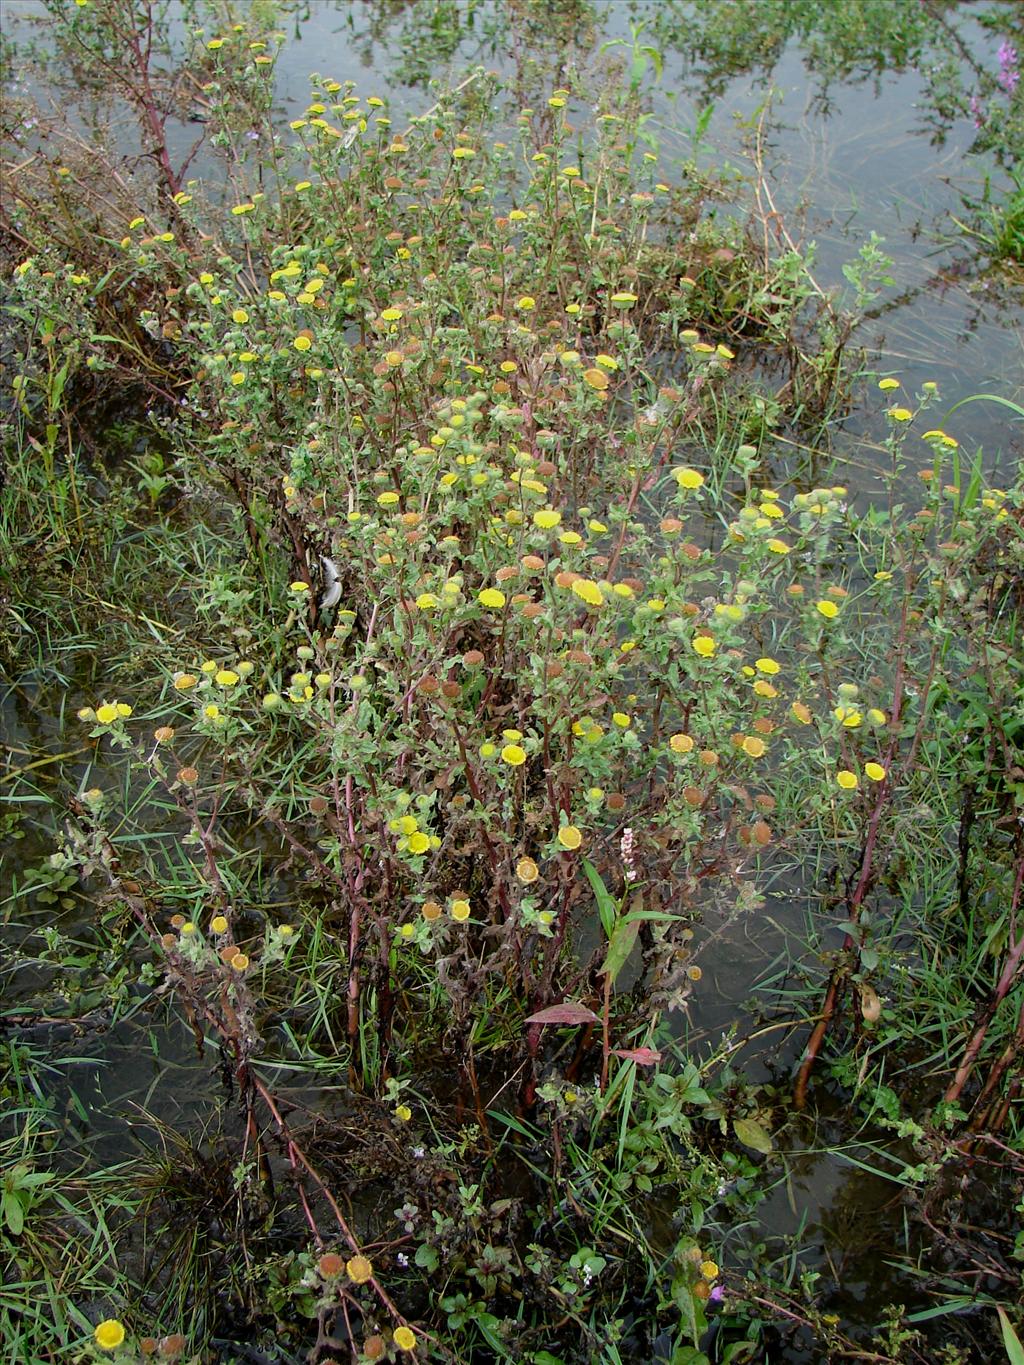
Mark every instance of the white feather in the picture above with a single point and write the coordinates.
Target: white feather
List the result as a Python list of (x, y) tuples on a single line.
[(332, 584)]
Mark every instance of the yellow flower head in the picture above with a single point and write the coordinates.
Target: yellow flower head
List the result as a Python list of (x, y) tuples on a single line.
[(768, 666), (547, 519), (109, 1334), (460, 910), (846, 779), (359, 1269), (753, 747), (680, 744), (570, 837), (875, 771), (703, 645), (827, 608), (514, 755), (491, 597), (588, 592), (688, 478), (405, 1338)]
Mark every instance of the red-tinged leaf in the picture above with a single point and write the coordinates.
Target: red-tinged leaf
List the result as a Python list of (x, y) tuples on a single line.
[(564, 1014), (643, 1056)]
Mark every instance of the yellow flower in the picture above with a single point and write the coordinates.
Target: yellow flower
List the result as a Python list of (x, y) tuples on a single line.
[(419, 842), (106, 714), (753, 747), (405, 1338), (703, 645), (527, 871), (391, 314), (888, 384), (570, 837), (460, 910), (827, 608), (901, 414), (359, 1269), (298, 586), (226, 677), (875, 771), (426, 601), (588, 592), (211, 712), (621, 720), (218, 924), (709, 1270), (778, 547), (680, 744), (302, 343), (623, 298), (765, 689), (514, 755), (846, 779), (491, 597), (547, 519), (768, 666), (526, 303), (109, 1334), (686, 477), (240, 316)]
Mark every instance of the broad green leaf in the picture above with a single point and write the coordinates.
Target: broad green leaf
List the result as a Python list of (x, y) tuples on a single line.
[(752, 1134)]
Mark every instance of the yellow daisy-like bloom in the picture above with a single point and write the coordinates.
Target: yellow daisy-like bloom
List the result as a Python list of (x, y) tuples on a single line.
[(391, 314), (514, 755), (218, 924), (753, 747), (901, 414), (886, 385), (876, 717), (623, 298), (212, 711), (184, 682), (226, 677), (703, 645), (419, 842), (588, 591), (620, 719), (526, 303), (778, 547), (491, 597), (827, 608), (426, 601), (680, 743), (460, 910), (570, 837), (359, 1269), (769, 666), (765, 689), (403, 1113), (298, 586), (709, 1270), (240, 962), (846, 779), (302, 343), (547, 519), (106, 714), (875, 771), (527, 871), (405, 1338), (688, 478), (109, 1334), (240, 316)]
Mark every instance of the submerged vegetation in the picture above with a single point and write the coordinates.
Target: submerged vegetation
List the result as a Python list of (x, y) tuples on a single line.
[(441, 637)]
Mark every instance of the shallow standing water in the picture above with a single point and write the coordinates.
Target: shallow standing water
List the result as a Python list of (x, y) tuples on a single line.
[(844, 158)]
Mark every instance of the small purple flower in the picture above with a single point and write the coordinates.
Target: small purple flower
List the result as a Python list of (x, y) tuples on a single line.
[(717, 1294), (1009, 74), (977, 111)]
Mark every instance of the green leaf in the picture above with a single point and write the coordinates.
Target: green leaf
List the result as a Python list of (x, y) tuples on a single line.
[(1011, 1341), (752, 1134), (607, 906), (620, 947)]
